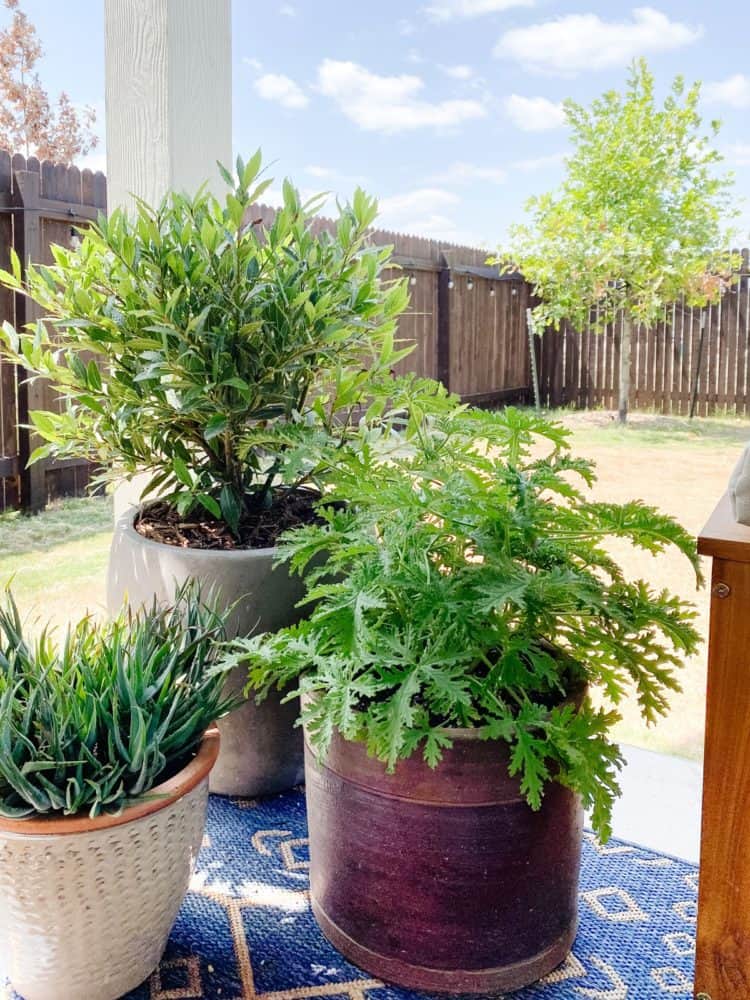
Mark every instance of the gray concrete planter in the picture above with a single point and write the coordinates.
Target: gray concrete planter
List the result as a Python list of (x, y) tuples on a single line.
[(261, 750)]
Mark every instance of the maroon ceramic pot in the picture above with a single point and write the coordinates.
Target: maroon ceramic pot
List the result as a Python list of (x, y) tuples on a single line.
[(442, 880)]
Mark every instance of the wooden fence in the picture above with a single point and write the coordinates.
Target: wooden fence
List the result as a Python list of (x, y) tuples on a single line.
[(39, 205), (694, 358), (467, 321), (468, 324)]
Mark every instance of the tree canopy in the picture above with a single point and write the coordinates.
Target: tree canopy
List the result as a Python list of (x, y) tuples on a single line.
[(29, 122), (640, 218)]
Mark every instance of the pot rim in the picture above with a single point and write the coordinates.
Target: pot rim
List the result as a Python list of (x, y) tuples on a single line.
[(468, 733), (126, 526), (158, 798)]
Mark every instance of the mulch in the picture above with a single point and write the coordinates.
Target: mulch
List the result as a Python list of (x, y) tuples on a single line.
[(260, 529)]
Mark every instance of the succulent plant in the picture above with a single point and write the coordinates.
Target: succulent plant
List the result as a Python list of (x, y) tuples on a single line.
[(97, 719)]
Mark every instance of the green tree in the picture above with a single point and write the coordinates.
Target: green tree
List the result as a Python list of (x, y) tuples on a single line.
[(638, 220)]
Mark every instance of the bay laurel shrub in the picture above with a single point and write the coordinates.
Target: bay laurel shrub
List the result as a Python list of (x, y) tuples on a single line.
[(97, 719), (174, 335), (467, 583)]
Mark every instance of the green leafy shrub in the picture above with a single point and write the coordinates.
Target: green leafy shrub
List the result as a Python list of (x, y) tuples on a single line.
[(467, 583), (173, 336), (96, 720)]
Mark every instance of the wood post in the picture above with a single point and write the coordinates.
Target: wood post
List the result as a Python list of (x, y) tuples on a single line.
[(168, 93), (28, 245), (445, 283), (623, 388), (168, 97), (723, 937)]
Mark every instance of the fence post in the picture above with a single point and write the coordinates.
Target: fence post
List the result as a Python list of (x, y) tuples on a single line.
[(28, 245), (445, 283)]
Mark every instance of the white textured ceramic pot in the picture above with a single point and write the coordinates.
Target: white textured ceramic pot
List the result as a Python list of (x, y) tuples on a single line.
[(86, 905), (261, 749)]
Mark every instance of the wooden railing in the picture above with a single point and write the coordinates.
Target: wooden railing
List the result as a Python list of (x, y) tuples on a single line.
[(723, 939)]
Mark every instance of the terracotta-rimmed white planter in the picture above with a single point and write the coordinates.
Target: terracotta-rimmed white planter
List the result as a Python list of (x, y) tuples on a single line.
[(86, 905), (261, 749)]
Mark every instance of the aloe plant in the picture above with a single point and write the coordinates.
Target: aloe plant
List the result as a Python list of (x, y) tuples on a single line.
[(96, 720)]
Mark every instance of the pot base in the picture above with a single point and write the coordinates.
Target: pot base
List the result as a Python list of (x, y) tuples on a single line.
[(454, 981)]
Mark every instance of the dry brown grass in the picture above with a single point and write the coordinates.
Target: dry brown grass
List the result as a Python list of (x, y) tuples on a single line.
[(682, 467)]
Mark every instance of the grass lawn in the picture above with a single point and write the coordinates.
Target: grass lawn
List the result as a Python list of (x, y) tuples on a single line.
[(57, 559)]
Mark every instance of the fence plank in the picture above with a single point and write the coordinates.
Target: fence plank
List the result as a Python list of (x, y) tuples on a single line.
[(42, 196), (582, 367)]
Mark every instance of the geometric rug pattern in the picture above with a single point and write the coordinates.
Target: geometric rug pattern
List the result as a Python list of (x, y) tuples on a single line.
[(246, 931)]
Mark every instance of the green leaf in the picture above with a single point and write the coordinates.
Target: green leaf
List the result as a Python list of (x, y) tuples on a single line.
[(231, 507), (225, 174), (182, 472), (209, 504), (216, 426), (93, 376)]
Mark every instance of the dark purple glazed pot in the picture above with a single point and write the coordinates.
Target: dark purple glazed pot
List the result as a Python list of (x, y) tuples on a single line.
[(442, 880)]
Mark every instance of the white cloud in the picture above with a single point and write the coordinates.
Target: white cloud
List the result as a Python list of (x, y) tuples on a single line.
[(405, 27), (420, 200), (584, 41), (735, 91), (534, 114), (459, 72), (335, 178), (449, 10), (389, 103), (253, 63), (287, 10), (539, 162), (322, 172), (738, 153), (426, 211), (420, 211), (464, 173), (280, 88), (415, 56)]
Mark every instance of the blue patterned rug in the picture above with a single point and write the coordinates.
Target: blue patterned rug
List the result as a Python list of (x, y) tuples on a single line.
[(245, 931)]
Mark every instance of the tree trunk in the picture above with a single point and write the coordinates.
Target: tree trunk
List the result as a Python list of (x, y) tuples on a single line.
[(624, 389)]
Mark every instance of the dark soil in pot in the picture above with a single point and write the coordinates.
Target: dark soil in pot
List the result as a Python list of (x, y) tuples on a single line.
[(259, 529), (442, 880)]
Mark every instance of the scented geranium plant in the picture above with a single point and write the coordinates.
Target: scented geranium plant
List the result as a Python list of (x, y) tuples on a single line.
[(96, 720), (175, 336), (466, 582)]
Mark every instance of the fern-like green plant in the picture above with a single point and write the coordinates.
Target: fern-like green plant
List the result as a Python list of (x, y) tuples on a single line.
[(465, 581), (94, 721)]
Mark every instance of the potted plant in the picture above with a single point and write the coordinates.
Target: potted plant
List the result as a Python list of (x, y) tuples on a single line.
[(191, 342), (466, 610), (105, 752)]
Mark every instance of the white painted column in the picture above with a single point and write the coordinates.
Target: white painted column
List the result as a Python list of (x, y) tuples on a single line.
[(168, 96)]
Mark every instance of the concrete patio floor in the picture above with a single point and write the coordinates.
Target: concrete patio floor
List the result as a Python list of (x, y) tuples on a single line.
[(660, 807)]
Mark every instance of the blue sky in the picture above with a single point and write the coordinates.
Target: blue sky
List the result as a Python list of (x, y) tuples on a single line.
[(447, 110)]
